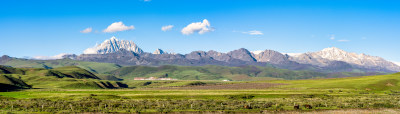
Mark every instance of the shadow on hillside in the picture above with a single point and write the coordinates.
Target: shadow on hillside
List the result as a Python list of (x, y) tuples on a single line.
[(9, 88)]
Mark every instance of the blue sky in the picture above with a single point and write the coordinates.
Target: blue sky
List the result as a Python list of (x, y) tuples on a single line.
[(46, 28)]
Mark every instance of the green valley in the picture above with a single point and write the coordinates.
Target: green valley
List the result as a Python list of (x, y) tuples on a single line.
[(67, 89)]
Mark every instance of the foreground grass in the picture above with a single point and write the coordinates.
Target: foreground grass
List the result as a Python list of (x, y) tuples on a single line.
[(191, 100)]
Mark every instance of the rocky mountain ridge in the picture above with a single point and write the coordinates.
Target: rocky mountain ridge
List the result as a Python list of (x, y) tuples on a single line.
[(328, 60), (334, 59), (327, 56)]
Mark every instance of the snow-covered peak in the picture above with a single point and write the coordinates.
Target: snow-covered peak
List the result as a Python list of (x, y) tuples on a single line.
[(113, 38), (333, 49), (159, 51), (322, 58), (113, 45), (334, 53)]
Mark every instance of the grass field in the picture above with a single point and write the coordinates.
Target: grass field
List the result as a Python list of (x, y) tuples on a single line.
[(94, 67), (362, 93)]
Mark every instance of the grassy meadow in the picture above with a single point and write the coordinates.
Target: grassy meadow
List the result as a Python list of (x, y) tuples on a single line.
[(361, 93)]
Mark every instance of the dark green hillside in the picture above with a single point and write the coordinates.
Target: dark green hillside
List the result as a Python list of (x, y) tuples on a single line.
[(74, 72), (68, 77), (10, 70), (61, 72), (9, 83)]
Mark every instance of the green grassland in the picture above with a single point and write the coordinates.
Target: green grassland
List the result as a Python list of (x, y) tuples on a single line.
[(364, 92), (68, 77), (94, 67)]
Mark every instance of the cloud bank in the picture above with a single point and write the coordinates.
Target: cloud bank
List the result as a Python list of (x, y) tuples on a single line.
[(167, 28), (118, 26), (59, 56), (199, 27)]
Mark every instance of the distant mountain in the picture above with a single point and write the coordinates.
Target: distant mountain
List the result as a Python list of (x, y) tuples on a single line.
[(113, 45), (331, 56), (271, 56), (329, 59)]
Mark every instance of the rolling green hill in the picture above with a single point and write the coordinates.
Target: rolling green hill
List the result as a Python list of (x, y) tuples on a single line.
[(9, 83), (94, 67), (10, 70), (68, 77)]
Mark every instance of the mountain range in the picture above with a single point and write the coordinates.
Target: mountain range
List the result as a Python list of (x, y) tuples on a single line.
[(332, 59)]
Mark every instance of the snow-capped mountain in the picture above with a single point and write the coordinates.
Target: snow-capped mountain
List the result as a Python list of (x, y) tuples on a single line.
[(159, 51), (113, 45), (329, 59), (326, 56)]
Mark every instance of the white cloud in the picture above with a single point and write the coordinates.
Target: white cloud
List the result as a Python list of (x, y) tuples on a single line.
[(253, 32), (200, 27), (93, 50), (167, 28), (332, 37), (87, 30), (118, 26), (146, 0), (343, 40), (59, 56), (90, 51)]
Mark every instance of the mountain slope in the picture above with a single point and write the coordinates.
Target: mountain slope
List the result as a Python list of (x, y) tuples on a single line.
[(271, 56)]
